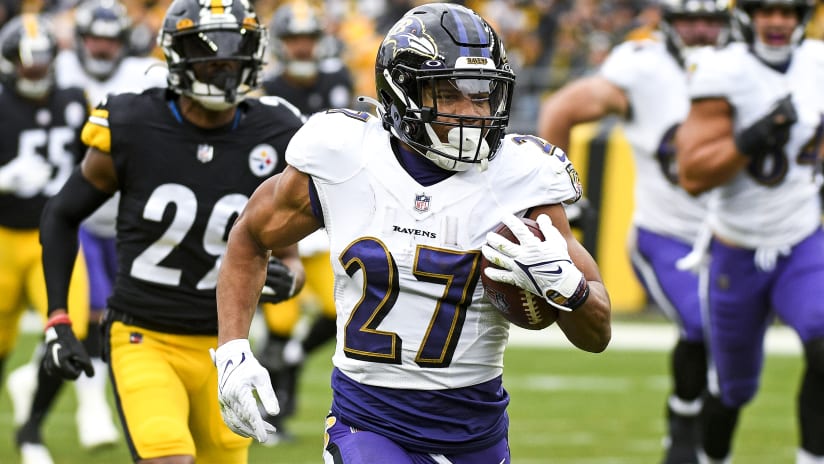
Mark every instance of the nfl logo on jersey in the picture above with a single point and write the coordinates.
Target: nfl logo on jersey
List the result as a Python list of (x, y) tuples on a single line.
[(205, 153), (422, 202)]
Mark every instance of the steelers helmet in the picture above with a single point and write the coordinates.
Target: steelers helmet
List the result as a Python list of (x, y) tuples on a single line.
[(444, 46), (292, 21), (27, 52), (199, 36)]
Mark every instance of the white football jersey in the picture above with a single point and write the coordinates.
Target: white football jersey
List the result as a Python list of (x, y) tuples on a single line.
[(656, 86), (133, 74), (777, 205), (410, 306)]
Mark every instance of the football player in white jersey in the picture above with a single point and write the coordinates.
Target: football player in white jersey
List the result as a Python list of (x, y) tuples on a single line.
[(644, 82), (408, 200), (99, 64), (752, 136)]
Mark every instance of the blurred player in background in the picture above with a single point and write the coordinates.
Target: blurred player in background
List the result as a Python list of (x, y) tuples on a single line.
[(752, 136), (408, 199), (41, 145), (185, 160), (644, 82), (99, 64), (313, 81)]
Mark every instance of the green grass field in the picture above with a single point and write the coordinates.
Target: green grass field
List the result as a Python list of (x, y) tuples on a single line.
[(568, 407)]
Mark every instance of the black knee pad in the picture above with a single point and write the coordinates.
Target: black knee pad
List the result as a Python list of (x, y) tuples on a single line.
[(271, 356), (814, 354), (689, 369), (93, 341), (718, 424), (811, 399)]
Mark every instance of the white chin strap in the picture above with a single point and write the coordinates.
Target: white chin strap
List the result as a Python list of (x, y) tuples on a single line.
[(463, 148), (213, 98), (33, 88), (770, 54)]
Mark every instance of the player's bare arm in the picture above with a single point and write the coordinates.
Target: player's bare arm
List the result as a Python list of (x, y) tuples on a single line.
[(588, 327), (705, 147), (276, 217), (581, 101), (98, 169)]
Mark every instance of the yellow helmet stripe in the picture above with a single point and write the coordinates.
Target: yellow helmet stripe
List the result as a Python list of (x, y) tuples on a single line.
[(217, 4), (30, 24)]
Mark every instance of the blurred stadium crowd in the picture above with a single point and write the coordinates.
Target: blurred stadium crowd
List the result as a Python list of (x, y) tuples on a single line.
[(549, 42)]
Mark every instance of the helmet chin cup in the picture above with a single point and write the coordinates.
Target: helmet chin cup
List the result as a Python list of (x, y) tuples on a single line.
[(302, 69), (465, 147), (33, 89), (770, 54), (212, 98), (100, 68)]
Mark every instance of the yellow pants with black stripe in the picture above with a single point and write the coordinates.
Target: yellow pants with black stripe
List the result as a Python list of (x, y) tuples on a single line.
[(23, 286), (166, 390)]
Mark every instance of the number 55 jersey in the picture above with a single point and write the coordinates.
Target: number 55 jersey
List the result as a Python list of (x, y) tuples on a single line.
[(181, 188)]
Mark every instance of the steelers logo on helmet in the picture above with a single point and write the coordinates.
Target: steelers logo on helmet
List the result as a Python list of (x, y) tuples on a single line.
[(263, 159), (214, 50), (445, 86)]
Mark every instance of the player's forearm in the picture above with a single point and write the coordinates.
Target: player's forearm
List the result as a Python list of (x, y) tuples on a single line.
[(589, 327), (59, 225), (241, 277), (706, 166)]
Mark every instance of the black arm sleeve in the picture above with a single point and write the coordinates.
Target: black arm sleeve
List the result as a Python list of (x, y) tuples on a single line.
[(59, 224)]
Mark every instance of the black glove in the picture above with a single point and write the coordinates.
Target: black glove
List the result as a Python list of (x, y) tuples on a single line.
[(280, 282), (65, 356), (770, 133)]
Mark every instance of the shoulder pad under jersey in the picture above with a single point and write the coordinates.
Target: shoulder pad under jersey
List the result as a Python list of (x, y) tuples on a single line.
[(331, 145)]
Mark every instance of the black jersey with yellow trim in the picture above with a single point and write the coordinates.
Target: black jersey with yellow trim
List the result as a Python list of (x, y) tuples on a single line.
[(181, 188), (329, 90), (49, 129)]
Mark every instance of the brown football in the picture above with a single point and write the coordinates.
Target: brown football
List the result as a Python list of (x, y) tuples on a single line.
[(522, 308)]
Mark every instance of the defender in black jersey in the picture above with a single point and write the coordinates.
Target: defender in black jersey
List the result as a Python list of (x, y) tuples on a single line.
[(313, 81), (185, 161), (39, 146), (305, 73)]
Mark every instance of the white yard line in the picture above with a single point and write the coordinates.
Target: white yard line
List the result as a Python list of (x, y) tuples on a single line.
[(625, 336), (646, 337)]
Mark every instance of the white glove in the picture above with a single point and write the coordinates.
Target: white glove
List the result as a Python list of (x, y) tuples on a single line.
[(541, 267), (25, 175), (239, 377)]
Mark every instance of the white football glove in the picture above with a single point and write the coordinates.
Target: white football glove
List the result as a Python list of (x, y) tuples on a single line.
[(239, 377), (25, 175), (541, 267)]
